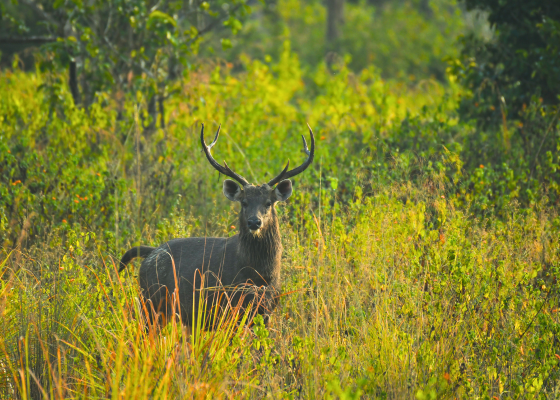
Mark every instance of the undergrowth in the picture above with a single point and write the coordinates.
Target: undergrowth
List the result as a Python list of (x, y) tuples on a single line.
[(395, 284), (375, 304)]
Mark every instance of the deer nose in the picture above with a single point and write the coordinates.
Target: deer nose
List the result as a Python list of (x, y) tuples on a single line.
[(254, 223)]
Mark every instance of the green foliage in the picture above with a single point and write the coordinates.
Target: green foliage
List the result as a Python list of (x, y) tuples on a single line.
[(519, 63), (512, 102), (377, 303), (396, 37), (401, 40), (53, 169), (123, 45), (401, 279)]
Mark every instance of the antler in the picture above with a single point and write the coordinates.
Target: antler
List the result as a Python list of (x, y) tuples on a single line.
[(223, 170), (302, 167)]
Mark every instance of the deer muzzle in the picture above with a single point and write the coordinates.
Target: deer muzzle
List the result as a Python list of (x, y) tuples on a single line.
[(254, 224)]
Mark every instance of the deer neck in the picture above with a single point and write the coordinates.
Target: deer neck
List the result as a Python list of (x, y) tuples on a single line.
[(259, 256)]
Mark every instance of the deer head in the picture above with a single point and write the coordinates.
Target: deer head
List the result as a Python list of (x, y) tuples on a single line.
[(257, 202)]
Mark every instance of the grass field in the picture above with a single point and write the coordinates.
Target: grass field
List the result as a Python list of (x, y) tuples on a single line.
[(393, 285)]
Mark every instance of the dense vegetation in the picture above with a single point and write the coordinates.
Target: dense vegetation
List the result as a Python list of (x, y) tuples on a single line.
[(422, 250)]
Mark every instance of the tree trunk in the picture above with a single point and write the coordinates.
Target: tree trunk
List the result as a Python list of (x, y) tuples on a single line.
[(153, 113), (161, 107), (73, 82), (335, 19), (425, 8), (172, 67)]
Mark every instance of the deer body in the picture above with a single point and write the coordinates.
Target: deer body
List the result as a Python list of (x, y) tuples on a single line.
[(240, 262), (234, 271)]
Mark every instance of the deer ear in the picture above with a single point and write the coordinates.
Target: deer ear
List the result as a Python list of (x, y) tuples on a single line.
[(283, 190), (232, 190)]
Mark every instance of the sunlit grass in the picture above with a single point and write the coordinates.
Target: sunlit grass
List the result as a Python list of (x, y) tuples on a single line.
[(391, 287), (373, 303)]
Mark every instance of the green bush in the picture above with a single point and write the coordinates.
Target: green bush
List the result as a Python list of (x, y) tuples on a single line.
[(512, 103), (519, 63)]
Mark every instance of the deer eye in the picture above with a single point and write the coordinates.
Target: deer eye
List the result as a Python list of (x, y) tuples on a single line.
[(268, 203), (244, 203)]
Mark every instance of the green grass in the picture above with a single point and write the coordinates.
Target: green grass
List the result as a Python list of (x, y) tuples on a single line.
[(392, 286), (374, 304)]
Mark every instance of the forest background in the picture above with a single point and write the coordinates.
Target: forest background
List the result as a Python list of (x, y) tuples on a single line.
[(421, 248)]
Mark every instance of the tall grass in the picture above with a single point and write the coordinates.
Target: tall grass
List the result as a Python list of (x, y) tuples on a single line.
[(392, 288), (374, 304)]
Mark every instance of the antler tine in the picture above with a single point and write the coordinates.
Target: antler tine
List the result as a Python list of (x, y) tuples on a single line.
[(302, 167), (215, 137), (305, 149), (221, 169), (279, 177)]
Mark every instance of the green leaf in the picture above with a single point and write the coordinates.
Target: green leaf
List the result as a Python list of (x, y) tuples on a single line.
[(226, 44), (234, 24), (159, 15), (334, 183)]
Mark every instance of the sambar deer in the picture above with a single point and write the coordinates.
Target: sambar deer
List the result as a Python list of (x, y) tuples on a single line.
[(248, 262)]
